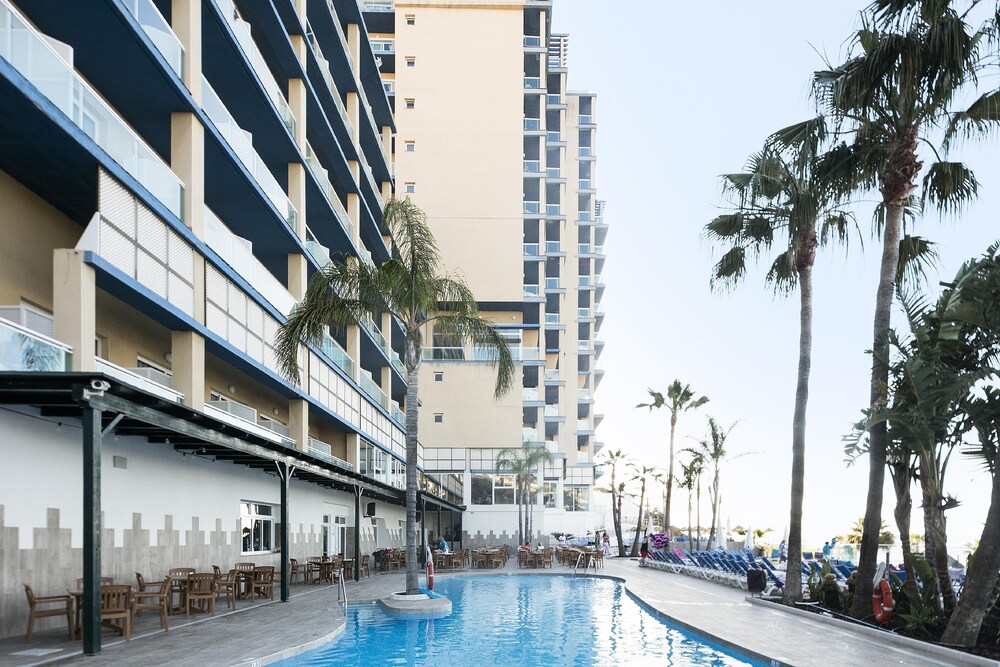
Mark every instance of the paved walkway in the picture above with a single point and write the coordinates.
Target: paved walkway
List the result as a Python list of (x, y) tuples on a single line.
[(262, 633)]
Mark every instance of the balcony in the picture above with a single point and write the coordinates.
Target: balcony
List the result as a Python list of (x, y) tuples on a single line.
[(553, 100), (584, 281), (531, 250), (22, 349), (378, 6), (532, 167), (532, 291), (551, 411), (148, 380), (583, 395), (530, 395), (332, 351), (586, 119), (553, 248), (583, 249), (584, 346), (383, 47), (245, 418), (241, 30), (532, 207), (583, 215), (529, 435), (397, 363), (554, 173), (583, 313), (369, 324), (532, 124), (552, 318), (374, 391), (586, 151), (583, 426), (237, 253), (553, 209), (242, 144), (585, 184), (552, 375), (319, 252), (552, 284), (324, 66), (322, 450), (159, 32), (29, 52), (443, 353), (322, 176), (532, 83), (532, 41), (553, 137)]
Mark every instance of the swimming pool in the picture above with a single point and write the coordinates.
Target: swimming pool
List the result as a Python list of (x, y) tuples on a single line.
[(520, 620)]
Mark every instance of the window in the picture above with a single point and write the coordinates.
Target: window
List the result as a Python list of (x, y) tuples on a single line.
[(438, 417), (411, 19), (410, 103), (576, 499), (389, 87), (411, 61), (491, 489), (410, 188), (257, 528), (549, 493), (439, 377), (411, 146)]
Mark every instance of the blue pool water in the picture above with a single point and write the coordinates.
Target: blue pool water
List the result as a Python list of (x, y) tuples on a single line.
[(519, 620)]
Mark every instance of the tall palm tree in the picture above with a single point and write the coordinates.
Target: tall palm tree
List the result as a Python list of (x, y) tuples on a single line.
[(640, 473), (410, 288), (679, 398), (896, 88), (690, 473), (784, 199), (614, 458), (523, 463), (713, 450)]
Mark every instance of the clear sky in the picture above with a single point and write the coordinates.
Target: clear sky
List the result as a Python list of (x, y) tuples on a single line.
[(686, 91)]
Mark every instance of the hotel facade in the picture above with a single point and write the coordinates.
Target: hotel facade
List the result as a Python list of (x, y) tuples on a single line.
[(500, 154), (172, 173)]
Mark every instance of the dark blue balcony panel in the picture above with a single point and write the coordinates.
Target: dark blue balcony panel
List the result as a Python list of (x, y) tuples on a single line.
[(289, 17), (232, 76), (270, 33), (386, 62), (350, 12), (321, 103), (380, 22), (114, 53)]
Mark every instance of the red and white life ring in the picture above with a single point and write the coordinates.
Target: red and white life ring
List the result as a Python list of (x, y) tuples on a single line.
[(430, 570), (882, 603)]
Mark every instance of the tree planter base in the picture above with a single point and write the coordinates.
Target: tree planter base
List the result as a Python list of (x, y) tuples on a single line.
[(418, 606)]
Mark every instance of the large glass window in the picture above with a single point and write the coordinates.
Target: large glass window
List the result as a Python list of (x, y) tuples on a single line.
[(576, 499), (491, 489), (257, 528), (549, 490)]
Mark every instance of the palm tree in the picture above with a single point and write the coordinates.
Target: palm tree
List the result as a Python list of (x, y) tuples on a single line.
[(897, 86), (690, 473), (783, 197), (639, 474), (410, 288), (614, 458), (523, 463), (679, 398), (713, 449)]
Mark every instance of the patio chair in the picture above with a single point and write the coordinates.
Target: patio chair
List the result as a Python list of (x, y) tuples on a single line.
[(116, 605), (263, 582), (230, 586), (312, 568), (522, 557), (201, 587), (547, 557), (104, 581), (498, 559), (365, 569), (149, 599), (296, 569), (53, 605)]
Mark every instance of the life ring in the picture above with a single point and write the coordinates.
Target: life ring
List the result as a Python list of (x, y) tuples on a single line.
[(882, 603)]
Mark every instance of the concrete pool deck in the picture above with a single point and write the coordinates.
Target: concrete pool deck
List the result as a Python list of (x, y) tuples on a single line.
[(261, 633)]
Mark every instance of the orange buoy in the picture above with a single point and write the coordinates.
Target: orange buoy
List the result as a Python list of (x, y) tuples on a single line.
[(882, 603)]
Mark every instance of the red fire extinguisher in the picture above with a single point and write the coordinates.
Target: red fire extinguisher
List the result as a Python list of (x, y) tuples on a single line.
[(430, 568)]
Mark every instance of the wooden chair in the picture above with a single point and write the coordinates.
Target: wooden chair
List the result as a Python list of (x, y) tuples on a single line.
[(58, 605), (116, 605), (245, 576), (178, 584), (263, 582), (479, 558), (153, 599), (547, 556), (230, 585), (200, 587), (104, 582), (312, 568), (498, 559), (296, 569), (366, 566)]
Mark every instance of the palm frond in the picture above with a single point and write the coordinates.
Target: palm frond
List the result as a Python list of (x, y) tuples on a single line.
[(783, 274), (979, 120), (491, 345), (730, 268), (949, 186), (916, 255)]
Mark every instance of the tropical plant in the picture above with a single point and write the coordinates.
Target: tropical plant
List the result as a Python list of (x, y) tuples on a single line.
[(897, 86), (523, 464), (783, 199), (713, 452), (679, 398), (614, 458), (410, 288), (690, 476), (640, 473)]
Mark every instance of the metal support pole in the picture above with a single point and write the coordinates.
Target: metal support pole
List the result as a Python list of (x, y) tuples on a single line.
[(285, 474), (91, 611), (357, 534)]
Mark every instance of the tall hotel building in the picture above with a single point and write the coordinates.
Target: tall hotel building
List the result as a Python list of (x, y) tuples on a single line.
[(172, 172), (501, 156)]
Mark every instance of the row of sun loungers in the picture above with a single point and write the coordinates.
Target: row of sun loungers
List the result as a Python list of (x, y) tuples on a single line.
[(728, 567)]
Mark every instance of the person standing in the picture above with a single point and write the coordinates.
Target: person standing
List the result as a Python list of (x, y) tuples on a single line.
[(644, 547), (606, 544), (782, 552)]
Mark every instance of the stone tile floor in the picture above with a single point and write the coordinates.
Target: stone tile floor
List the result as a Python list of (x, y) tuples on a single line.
[(261, 632)]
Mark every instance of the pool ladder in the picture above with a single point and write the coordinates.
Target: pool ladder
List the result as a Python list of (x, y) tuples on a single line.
[(341, 587), (588, 563)]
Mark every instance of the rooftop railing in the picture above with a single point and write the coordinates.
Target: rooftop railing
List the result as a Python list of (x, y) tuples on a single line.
[(31, 54)]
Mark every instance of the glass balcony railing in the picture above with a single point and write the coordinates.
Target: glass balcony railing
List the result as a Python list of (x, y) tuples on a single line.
[(369, 324), (532, 166), (532, 82), (583, 215), (583, 394), (584, 345), (442, 353), (552, 318), (585, 184), (159, 32), (586, 119), (378, 6), (241, 29), (583, 248), (552, 374), (551, 283), (244, 417), (323, 178), (322, 450), (552, 247), (529, 435), (532, 206), (22, 349), (553, 172), (598, 249), (529, 394), (586, 151), (319, 252), (29, 52), (143, 381), (532, 123), (553, 209), (531, 250), (553, 137), (237, 252), (242, 144), (532, 41), (374, 391), (397, 363), (583, 425), (531, 290), (332, 351), (551, 410), (583, 313), (324, 66), (584, 281), (553, 99)]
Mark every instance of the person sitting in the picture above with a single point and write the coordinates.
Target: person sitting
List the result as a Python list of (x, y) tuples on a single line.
[(831, 592), (443, 545)]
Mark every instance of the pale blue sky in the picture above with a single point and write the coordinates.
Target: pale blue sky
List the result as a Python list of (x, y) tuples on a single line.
[(686, 91)]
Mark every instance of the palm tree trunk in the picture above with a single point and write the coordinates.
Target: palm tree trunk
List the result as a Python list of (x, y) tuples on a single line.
[(617, 515), (935, 537), (981, 580), (520, 517), (904, 507), (670, 476), (698, 514), (804, 264), (715, 497), (638, 521), (877, 435), (690, 541), (412, 373)]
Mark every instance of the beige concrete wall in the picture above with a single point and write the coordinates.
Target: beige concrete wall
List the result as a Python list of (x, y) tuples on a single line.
[(471, 416), (129, 333), (219, 376), (30, 230), (467, 84)]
